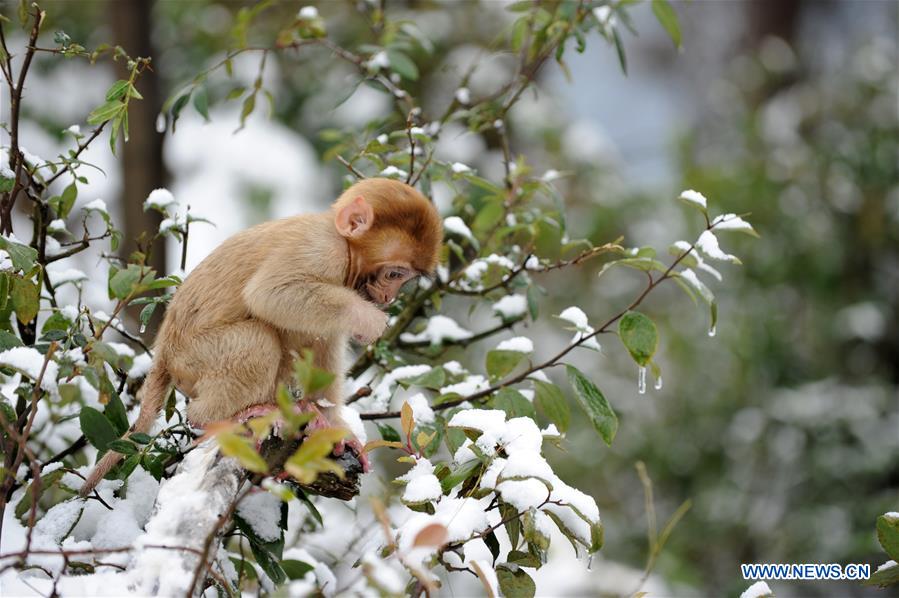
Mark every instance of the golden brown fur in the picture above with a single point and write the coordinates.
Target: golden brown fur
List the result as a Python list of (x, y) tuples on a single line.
[(236, 324)]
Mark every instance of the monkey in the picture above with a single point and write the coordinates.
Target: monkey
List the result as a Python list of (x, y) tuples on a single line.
[(238, 321)]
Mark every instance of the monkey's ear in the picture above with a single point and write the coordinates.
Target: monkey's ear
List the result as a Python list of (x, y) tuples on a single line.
[(354, 218)]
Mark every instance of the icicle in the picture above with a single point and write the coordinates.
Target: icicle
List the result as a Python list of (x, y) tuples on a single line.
[(658, 385), (641, 380), (143, 328), (160, 123), (712, 329), (590, 563)]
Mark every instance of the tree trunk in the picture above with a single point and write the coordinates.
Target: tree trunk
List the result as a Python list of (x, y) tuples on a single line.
[(142, 165)]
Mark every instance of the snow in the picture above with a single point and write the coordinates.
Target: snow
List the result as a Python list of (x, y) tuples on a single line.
[(684, 247), (393, 171), (381, 393), (379, 60), (550, 430), (887, 565), (98, 204), (140, 366), (382, 575), (731, 222), (891, 516), (454, 368), (456, 225), (523, 494), (519, 344), (60, 276), (482, 420), (262, 511), (460, 168), (57, 226), (463, 95), (470, 385), (421, 483), (575, 316), (421, 409), (757, 590), (308, 13), (74, 130), (60, 519), (708, 244), (694, 197), (121, 349), (438, 329), (511, 306), (30, 361), (351, 418), (159, 199)]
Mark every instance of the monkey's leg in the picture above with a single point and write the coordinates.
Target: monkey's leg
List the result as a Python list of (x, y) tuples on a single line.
[(234, 367)]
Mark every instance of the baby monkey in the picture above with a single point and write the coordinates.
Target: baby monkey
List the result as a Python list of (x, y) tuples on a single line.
[(239, 320)]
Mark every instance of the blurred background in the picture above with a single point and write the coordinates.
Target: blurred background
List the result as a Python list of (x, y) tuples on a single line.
[(783, 429)]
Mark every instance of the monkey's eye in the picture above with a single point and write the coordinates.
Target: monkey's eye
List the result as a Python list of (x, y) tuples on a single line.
[(395, 274)]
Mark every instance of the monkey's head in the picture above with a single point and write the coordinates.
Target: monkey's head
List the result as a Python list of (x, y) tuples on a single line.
[(393, 233)]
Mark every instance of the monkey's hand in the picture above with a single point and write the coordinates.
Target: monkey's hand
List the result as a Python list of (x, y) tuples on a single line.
[(367, 323)]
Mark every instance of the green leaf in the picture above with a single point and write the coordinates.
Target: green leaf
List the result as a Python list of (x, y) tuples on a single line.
[(295, 569), (523, 559), (201, 103), (594, 404), (128, 466), (310, 506), (514, 404), (402, 64), (311, 378), (123, 282), (433, 379), (22, 256), (460, 475), (115, 413), (8, 340), (106, 112), (639, 335), (515, 584), (23, 508), (501, 362), (668, 18), (619, 49), (688, 280), (140, 438), (548, 240), (117, 90), (249, 104), (388, 433), (884, 578), (262, 552), (552, 402), (240, 448), (488, 217), (178, 106), (96, 428), (888, 535), (26, 298), (122, 446), (4, 291)]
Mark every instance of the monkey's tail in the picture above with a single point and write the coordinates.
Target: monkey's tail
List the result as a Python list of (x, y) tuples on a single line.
[(152, 395)]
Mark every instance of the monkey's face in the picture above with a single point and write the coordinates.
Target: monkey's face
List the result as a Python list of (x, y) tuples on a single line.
[(385, 283)]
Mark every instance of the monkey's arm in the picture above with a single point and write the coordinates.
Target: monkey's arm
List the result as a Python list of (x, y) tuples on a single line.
[(306, 304)]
